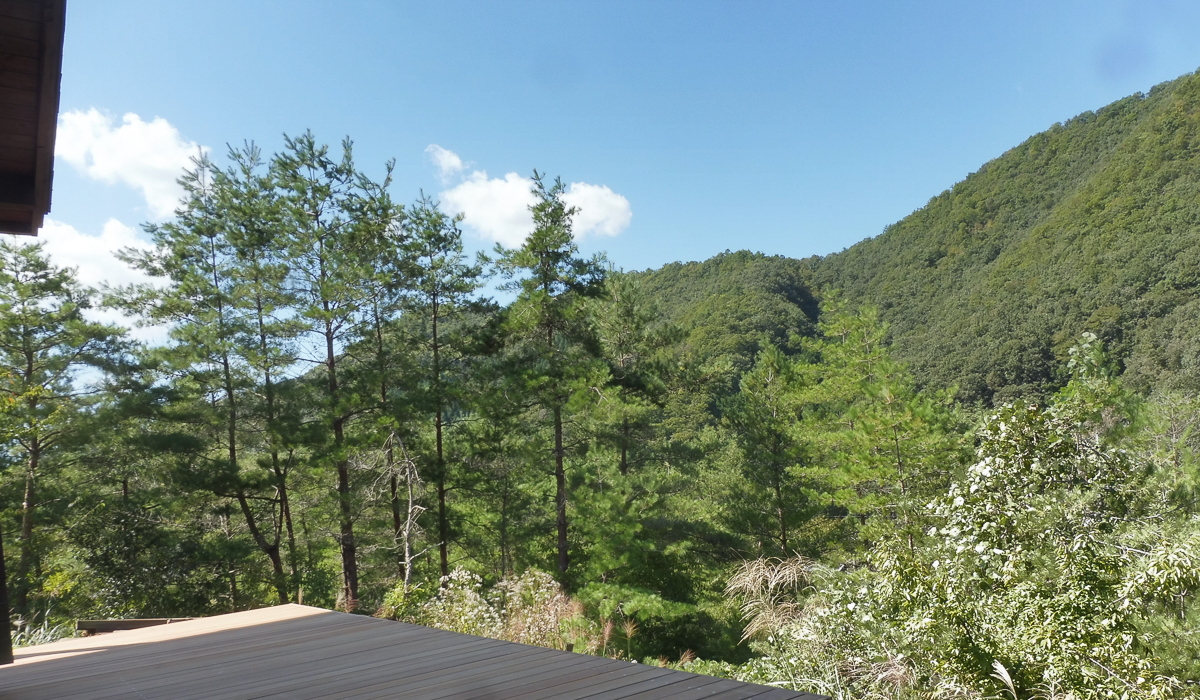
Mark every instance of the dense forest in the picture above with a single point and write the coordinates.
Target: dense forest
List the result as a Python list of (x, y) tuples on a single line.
[(1091, 226), (957, 460)]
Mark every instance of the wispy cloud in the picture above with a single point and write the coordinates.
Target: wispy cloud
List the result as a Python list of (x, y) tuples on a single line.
[(147, 156), (497, 209), (448, 163)]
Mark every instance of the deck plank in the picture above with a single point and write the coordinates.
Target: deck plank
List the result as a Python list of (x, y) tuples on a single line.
[(257, 672), (295, 652)]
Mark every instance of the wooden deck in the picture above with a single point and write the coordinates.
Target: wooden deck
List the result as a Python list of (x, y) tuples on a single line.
[(295, 651)]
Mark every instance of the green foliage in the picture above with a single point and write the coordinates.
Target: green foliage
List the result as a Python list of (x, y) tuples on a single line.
[(139, 566), (771, 504)]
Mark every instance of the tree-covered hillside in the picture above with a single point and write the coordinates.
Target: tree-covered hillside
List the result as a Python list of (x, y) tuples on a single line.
[(1093, 225), (728, 305)]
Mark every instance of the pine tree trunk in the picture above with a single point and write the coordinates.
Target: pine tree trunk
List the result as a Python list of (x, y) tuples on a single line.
[(349, 548), (397, 522), (440, 475), (25, 563), (6, 649), (443, 515), (409, 477), (285, 512), (268, 548), (271, 550), (346, 526), (560, 480), (505, 559)]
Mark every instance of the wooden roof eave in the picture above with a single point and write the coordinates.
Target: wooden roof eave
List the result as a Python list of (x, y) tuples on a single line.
[(31, 45)]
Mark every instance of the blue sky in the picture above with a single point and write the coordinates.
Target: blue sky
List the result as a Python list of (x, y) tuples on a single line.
[(793, 128)]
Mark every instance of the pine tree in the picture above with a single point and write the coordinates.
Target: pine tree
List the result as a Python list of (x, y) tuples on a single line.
[(45, 341), (213, 307), (554, 346), (338, 220), (443, 289)]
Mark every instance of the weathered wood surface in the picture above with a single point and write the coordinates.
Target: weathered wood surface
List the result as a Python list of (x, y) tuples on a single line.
[(296, 652)]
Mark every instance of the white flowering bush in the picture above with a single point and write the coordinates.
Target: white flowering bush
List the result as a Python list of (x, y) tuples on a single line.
[(530, 609), (1044, 563), (537, 611), (460, 606)]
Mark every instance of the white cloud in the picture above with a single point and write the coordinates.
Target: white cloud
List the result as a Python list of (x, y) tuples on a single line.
[(600, 210), (92, 256), (96, 265), (497, 209), (148, 156), (448, 163)]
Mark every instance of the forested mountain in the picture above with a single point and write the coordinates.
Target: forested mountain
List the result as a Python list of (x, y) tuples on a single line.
[(1093, 225)]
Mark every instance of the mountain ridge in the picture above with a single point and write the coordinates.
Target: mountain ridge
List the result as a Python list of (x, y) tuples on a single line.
[(1092, 225)]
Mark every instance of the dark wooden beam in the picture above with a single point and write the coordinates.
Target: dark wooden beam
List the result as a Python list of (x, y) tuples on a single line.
[(53, 26)]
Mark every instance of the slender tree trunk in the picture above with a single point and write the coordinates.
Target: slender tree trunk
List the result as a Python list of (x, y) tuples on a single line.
[(443, 516), (505, 560), (285, 511), (6, 649), (440, 473), (28, 553), (281, 486), (624, 447), (410, 479), (443, 529), (271, 550), (560, 480), (397, 522), (346, 526), (349, 548), (268, 548), (398, 530)]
